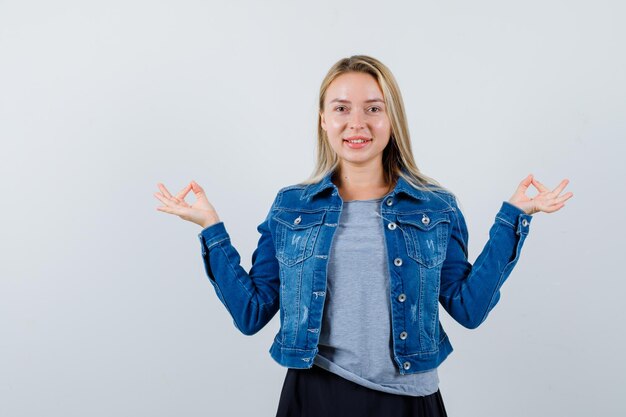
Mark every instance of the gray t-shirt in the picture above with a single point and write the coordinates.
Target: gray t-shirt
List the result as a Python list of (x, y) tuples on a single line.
[(355, 339)]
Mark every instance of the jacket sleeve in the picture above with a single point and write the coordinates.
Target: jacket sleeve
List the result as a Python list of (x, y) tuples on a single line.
[(251, 298), (469, 292)]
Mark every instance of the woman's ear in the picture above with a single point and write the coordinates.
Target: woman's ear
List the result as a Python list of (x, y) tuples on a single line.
[(322, 121)]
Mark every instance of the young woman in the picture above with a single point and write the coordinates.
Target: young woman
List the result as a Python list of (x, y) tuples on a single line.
[(358, 258)]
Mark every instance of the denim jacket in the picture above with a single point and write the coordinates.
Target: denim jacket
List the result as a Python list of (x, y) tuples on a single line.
[(427, 251)]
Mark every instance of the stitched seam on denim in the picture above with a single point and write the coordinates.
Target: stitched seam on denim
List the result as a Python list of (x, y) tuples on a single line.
[(311, 242), (301, 257), (419, 211), (298, 290), (423, 228), (495, 232), (293, 187), (504, 272), (422, 353), (391, 272), (216, 242), (281, 236), (458, 223), (420, 319), (436, 307), (285, 348), (302, 209), (282, 313), (441, 198), (269, 303), (278, 198), (505, 221), (287, 224), (223, 299), (237, 277), (326, 208), (474, 271), (429, 352), (442, 335)]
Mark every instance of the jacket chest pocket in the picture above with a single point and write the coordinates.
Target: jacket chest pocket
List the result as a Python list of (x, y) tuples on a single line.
[(296, 233), (426, 236)]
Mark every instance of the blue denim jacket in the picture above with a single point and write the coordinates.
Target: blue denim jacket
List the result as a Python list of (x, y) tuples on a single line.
[(426, 238)]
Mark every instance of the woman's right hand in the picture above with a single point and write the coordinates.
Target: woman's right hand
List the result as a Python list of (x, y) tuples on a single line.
[(201, 212)]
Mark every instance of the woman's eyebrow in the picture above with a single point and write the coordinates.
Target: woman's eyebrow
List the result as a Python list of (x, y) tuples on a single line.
[(371, 100)]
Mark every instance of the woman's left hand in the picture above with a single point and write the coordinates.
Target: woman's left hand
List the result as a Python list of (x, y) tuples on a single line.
[(546, 201)]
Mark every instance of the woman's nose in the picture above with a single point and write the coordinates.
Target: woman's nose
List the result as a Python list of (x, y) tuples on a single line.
[(356, 120)]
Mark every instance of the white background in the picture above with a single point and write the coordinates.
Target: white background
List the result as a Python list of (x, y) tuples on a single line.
[(105, 308)]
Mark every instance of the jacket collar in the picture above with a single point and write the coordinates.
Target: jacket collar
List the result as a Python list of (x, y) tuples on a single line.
[(402, 186)]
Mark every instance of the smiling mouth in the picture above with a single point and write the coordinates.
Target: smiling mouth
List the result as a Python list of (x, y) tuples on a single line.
[(357, 140)]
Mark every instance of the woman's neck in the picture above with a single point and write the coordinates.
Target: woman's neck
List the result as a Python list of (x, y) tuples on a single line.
[(361, 184)]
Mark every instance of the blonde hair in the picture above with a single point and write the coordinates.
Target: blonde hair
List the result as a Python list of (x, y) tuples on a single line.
[(397, 156)]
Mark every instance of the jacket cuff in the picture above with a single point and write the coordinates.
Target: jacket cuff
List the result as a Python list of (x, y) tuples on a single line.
[(212, 235), (514, 217)]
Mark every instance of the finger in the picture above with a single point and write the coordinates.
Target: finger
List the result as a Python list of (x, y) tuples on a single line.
[(563, 198), (561, 186), (554, 204), (182, 193), (553, 208), (171, 210), (164, 190), (168, 201), (539, 185), (523, 185), (199, 192), (180, 201), (163, 199), (196, 188)]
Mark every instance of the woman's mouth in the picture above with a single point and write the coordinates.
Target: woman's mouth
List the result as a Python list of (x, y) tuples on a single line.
[(357, 142)]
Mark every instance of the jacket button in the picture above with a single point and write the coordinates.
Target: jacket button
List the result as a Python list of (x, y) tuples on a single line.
[(391, 226), (401, 298), (425, 219), (297, 220), (407, 365), (389, 201), (397, 262), (403, 335), (524, 222)]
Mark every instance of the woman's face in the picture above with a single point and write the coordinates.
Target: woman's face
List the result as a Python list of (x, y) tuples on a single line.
[(354, 111)]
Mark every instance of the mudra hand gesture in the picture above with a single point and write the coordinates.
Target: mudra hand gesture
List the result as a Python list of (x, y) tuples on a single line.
[(546, 201), (201, 212)]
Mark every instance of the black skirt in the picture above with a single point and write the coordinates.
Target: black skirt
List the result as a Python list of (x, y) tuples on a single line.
[(316, 392)]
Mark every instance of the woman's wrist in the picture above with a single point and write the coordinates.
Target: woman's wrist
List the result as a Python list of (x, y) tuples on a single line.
[(210, 222)]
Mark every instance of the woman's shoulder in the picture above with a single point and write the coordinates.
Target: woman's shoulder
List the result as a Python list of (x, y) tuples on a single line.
[(308, 186), (289, 195), (292, 187), (428, 189)]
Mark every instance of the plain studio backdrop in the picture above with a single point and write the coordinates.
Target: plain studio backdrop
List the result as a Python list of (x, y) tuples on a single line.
[(105, 307)]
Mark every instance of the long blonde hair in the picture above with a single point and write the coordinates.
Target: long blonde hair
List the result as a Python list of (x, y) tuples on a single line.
[(397, 156)]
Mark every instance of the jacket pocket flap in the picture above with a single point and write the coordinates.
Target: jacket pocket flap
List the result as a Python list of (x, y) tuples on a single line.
[(298, 220), (424, 220)]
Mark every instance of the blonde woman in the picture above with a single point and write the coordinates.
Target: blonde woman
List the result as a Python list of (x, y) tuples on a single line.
[(357, 259)]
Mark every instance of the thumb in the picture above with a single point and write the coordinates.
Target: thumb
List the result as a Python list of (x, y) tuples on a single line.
[(196, 188), (199, 192), (523, 186)]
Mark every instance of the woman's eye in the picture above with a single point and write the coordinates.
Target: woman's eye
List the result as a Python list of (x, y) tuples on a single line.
[(375, 109), (340, 108)]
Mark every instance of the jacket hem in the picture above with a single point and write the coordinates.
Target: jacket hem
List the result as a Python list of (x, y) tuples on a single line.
[(292, 357)]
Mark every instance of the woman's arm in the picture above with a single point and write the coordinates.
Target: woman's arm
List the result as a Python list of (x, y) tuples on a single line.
[(468, 292), (251, 298)]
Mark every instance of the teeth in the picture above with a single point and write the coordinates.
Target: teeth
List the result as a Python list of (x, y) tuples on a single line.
[(357, 141)]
